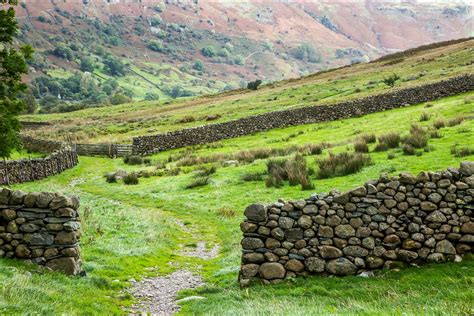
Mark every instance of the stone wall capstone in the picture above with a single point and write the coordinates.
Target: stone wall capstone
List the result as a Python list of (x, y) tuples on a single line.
[(385, 223), (311, 114), (61, 157), (41, 227)]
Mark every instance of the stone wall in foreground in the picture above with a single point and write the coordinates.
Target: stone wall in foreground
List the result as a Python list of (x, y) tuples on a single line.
[(41, 227), (385, 223), (60, 157), (310, 114)]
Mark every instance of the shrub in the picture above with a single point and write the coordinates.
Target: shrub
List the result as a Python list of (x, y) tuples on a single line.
[(440, 123), (391, 80), (133, 160), (298, 172), (390, 156), (198, 65), (111, 177), (435, 134), (455, 121), (313, 149), (156, 46), (130, 179), (386, 141), (209, 51), (368, 138), (276, 173), (253, 85), (361, 147), (342, 164), (425, 117), (408, 150), (199, 182)]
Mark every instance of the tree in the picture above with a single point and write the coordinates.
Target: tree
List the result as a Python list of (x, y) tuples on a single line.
[(113, 66), (253, 85), (13, 63), (306, 52), (156, 46), (391, 80), (87, 64), (209, 51), (198, 65)]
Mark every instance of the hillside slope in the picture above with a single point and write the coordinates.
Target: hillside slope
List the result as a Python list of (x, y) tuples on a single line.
[(121, 123), (162, 44)]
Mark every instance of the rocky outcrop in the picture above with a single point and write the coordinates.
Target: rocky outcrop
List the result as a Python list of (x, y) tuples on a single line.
[(385, 223), (61, 157), (41, 227), (310, 114)]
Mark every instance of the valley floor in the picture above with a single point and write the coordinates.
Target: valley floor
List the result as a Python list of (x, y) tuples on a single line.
[(150, 229)]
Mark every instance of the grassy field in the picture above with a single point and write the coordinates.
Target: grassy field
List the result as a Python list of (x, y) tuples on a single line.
[(134, 231), (122, 122)]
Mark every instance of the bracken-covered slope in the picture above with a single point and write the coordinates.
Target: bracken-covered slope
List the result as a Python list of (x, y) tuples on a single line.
[(160, 42)]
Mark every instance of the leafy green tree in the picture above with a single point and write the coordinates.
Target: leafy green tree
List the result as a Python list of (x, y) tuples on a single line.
[(13, 64), (306, 52), (113, 66), (150, 96), (156, 46), (198, 65), (253, 85), (87, 65), (209, 51), (391, 80)]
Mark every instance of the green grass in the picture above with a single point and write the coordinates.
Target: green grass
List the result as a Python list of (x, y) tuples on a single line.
[(121, 123), (131, 231)]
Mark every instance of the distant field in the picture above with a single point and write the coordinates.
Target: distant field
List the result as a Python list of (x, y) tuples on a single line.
[(121, 123), (138, 234)]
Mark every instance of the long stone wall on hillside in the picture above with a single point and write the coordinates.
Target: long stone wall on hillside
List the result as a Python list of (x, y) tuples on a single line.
[(385, 223), (310, 114), (61, 157), (41, 227)]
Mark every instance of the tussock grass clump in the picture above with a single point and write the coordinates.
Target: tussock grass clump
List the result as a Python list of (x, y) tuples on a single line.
[(435, 134), (361, 147), (439, 123), (386, 141), (462, 152), (390, 156), (226, 212), (425, 117), (199, 182), (205, 172), (252, 176), (409, 150), (293, 170), (186, 119), (418, 137), (455, 121), (369, 138), (342, 164), (133, 160), (130, 179)]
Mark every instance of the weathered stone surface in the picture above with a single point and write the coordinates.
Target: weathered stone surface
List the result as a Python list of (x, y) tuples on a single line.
[(248, 227), (467, 228), (253, 257), (272, 270), (341, 266), (355, 251), (330, 252), (444, 246), (256, 213), (294, 265), (345, 231), (67, 265), (250, 243), (249, 270), (467, 168), (406, 255), (305, 222), (30, 199), (436, 217), (39, 239), (286, 222), (315, 265), (17, 197), (22, 251), (43, 199), (9, 214)]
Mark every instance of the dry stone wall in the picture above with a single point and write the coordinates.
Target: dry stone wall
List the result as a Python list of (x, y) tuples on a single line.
[(310, 114), (385, 223), (41, 227), (61, 157)]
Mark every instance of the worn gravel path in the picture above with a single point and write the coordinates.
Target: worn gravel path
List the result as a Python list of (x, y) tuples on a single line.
[(157, 295)]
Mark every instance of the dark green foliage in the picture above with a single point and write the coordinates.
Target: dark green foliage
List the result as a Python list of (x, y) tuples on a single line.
[(390, 156), (306, 52), (113, 66), (199, 182), (198, 65), (119, 98), (133, 160), (111, 178), (408, 150), (150, 96), (178, 91), (156, 46), (130, 179), (391, 80), (13, 64), (253, 85), (87, 64), (209, 51), (386, 141), (342, 164), (462, 152), (205, 172), (62, 51)]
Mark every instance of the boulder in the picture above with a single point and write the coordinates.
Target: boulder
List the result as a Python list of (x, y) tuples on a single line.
[(68, 265), (329, 252), (444, 246), (314, 264), (294, 265), (341, 266), (467, 168), (249, 270), (345, 231), (271, 270), (256, 213)]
